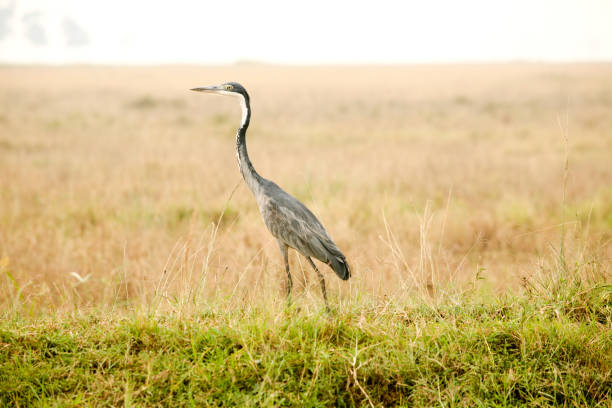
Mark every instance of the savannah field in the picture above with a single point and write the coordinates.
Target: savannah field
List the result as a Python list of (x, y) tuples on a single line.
[(473, 202)]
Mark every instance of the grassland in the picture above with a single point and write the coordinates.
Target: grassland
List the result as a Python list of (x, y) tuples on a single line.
[(474, 203), (557, 354)]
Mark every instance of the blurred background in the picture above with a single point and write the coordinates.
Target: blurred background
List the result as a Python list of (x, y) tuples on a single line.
[(447, 147)]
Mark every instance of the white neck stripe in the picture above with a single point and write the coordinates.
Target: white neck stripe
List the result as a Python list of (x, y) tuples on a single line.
[(243, 106)]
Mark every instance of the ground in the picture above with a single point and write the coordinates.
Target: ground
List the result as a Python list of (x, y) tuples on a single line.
[(473, 202)]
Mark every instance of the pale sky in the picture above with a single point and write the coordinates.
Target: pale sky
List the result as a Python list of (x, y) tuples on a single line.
[(307, 32)]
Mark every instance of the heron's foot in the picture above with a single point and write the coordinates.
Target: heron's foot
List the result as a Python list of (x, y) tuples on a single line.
[(330, 311)]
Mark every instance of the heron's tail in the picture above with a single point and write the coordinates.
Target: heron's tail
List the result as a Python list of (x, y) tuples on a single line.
[(341, 267), (331, 255)]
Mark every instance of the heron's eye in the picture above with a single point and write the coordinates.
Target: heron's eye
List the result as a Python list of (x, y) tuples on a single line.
[(228, 87)]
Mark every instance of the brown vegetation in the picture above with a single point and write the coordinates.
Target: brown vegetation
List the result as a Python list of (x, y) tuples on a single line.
[(115, 183)]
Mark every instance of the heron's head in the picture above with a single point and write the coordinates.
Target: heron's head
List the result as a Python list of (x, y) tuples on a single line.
[(231, 89), (228, 88)]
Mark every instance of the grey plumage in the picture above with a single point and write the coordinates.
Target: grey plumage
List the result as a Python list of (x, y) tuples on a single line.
[(289, 221), (294, 225)]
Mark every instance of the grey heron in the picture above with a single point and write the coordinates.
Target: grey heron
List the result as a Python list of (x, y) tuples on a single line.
[(290, 222)]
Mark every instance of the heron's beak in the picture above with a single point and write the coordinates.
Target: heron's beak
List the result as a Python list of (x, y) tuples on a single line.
[(210, 89)]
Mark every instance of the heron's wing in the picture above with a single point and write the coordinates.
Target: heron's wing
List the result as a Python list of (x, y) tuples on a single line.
[(293, 223)]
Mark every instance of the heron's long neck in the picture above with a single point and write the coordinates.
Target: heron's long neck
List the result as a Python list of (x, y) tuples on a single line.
[(251, 177)]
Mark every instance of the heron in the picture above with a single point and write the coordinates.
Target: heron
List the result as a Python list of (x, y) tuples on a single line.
[(288, 220)]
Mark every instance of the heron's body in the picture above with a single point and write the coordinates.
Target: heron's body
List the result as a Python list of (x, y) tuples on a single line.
[(293, 224), (289, 221)]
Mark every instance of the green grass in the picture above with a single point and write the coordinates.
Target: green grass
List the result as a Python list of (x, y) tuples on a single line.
[(541, 349)]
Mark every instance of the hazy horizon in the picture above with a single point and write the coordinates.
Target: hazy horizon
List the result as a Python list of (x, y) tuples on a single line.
[(34, 32), (298, 65)]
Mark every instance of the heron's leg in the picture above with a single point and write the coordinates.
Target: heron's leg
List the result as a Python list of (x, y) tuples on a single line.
[(321, 280), (285, 251)]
